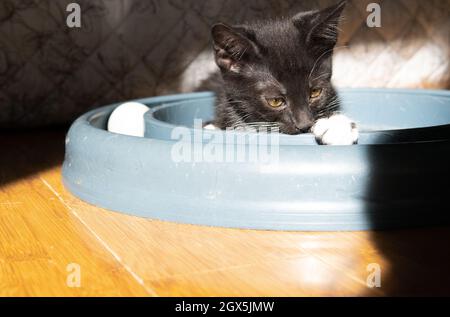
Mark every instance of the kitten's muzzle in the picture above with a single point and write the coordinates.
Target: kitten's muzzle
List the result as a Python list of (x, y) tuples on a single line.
[(303, 128), (303, 125), (302, 120), (294, 130)]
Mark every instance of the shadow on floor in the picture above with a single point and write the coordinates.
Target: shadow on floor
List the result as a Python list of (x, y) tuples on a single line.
[(24, 153), (411, 187)]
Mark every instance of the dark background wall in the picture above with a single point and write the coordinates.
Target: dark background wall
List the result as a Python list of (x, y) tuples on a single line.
[(126, 49)]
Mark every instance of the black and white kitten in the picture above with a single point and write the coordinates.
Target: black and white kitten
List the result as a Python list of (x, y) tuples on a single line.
[(277, 73)]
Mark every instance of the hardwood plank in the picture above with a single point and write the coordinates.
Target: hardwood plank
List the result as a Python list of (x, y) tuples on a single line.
[(39, 239), (302, 276)]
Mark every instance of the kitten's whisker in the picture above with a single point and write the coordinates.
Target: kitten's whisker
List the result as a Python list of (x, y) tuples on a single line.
[(325, 74), (320, 57)]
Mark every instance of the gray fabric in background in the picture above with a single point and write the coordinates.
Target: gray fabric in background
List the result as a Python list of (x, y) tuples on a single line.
[(49, 74)]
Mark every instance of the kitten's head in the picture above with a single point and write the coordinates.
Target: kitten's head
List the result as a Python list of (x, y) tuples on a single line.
[(280, 71)]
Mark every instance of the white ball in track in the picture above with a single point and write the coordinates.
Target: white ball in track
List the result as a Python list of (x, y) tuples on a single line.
[(128, 119)]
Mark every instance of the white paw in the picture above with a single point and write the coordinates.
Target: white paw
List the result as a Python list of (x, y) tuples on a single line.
[(210, 127), (336, 130)]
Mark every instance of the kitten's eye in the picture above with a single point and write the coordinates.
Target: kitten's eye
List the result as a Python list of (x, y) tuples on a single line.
[(276, 102), (315, 92)]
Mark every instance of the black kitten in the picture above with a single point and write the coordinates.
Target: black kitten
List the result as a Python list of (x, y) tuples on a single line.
[(277, 74)]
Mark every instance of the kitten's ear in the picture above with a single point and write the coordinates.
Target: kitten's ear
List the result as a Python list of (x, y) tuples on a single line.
[(323, 24), (231, 47)]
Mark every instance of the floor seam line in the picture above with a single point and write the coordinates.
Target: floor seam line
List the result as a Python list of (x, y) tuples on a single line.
[(133, 274)]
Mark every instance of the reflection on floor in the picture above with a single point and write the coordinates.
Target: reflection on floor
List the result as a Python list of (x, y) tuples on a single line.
[(51, 243)]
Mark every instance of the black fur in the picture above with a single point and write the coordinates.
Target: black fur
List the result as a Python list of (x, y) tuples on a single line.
[(276, 58)]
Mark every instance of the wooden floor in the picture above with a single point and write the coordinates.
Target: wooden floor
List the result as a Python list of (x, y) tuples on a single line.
[(45, 233)]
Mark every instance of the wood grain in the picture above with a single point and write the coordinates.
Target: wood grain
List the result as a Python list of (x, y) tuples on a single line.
[(43, 228)]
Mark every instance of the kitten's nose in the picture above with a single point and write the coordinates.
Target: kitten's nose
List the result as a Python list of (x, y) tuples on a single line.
[(303, 121)]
